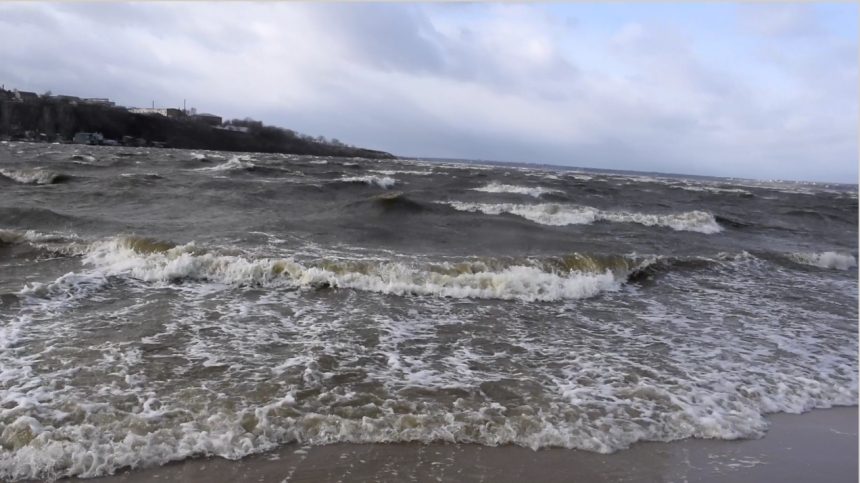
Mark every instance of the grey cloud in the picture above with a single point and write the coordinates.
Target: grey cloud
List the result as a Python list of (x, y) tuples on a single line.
[(389, 37), (400, 38), (720, 126)]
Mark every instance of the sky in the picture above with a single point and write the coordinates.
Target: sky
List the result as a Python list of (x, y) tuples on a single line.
[(755, 90)]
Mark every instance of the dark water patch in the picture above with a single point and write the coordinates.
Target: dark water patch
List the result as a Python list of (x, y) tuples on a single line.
[(27, 251), (731, 222), (821, 214), (390, 203), (32, 217), (275, 171), (556, 197)]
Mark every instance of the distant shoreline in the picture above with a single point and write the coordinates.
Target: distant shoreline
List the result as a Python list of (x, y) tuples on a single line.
[(622, 172), (52, 119)]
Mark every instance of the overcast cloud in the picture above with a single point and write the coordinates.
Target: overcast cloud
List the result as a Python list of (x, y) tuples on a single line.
[(752, 90)]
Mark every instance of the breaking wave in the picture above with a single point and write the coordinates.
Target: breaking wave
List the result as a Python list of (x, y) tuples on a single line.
[(386, 182), (35, 176), (523, 190), (560, 215), (83, 159), (392, 172), (154, 261), (236, 163), (838, 261), (15, 237)]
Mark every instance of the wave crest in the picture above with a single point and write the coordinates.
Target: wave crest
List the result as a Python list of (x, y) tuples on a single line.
[(523, 190), (236, 163), (155, 261), (371, 180), (838, 261), (560, 215), (34, 176)]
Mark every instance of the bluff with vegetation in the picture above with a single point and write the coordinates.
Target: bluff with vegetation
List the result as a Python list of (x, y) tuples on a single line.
[(55, 118)]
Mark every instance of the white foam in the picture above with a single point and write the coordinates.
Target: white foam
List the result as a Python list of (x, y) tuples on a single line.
[(710, 189), (371, 180), (392, 172), (523, 190), (116, 257), (31, 176), (838, 261), (205, 157), (83, 159), (236, 163), (560, 215)]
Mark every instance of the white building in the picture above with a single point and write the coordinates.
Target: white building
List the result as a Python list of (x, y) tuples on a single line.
[(167, 112)]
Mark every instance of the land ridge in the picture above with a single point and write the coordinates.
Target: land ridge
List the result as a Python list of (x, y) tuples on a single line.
[(53, 120)]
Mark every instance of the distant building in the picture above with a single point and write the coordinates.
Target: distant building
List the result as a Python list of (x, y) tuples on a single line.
[(167, 112), (100, 101), (22, 96), (208, 118)]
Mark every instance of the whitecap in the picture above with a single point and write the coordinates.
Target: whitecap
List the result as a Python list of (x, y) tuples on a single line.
[(523, 190), (838, 261), (33, 176), (371, 180), (560, 215)]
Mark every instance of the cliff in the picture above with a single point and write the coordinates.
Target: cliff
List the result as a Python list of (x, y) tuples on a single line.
[(60, 118)]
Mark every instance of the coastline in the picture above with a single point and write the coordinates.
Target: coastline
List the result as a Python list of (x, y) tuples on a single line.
[(820, 446)]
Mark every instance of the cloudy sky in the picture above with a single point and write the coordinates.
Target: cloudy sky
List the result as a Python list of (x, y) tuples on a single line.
[(758, 90)]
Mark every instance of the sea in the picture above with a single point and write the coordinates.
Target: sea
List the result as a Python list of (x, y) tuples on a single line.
[(164, 304)]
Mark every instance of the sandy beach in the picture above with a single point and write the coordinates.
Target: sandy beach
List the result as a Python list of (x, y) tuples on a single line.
[(820, 446)]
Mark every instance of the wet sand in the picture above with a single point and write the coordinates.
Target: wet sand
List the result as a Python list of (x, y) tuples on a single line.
[(820, 446)]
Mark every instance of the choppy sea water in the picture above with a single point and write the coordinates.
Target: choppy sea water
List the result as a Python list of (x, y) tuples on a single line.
[(162, 304)]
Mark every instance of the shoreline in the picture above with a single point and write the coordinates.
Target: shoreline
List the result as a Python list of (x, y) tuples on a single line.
[(820, 445)]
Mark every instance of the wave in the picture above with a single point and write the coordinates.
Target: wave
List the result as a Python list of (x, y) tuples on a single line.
[(560, 215), (386, 182), (83, 159), (712, 189), (155, 261), (89, 450), (28, 216), (838, 261), (35, 176), (392, 172), (392, 202), (523, 190), (16, 237), (236, 163), (206, 158), (145, 176)]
